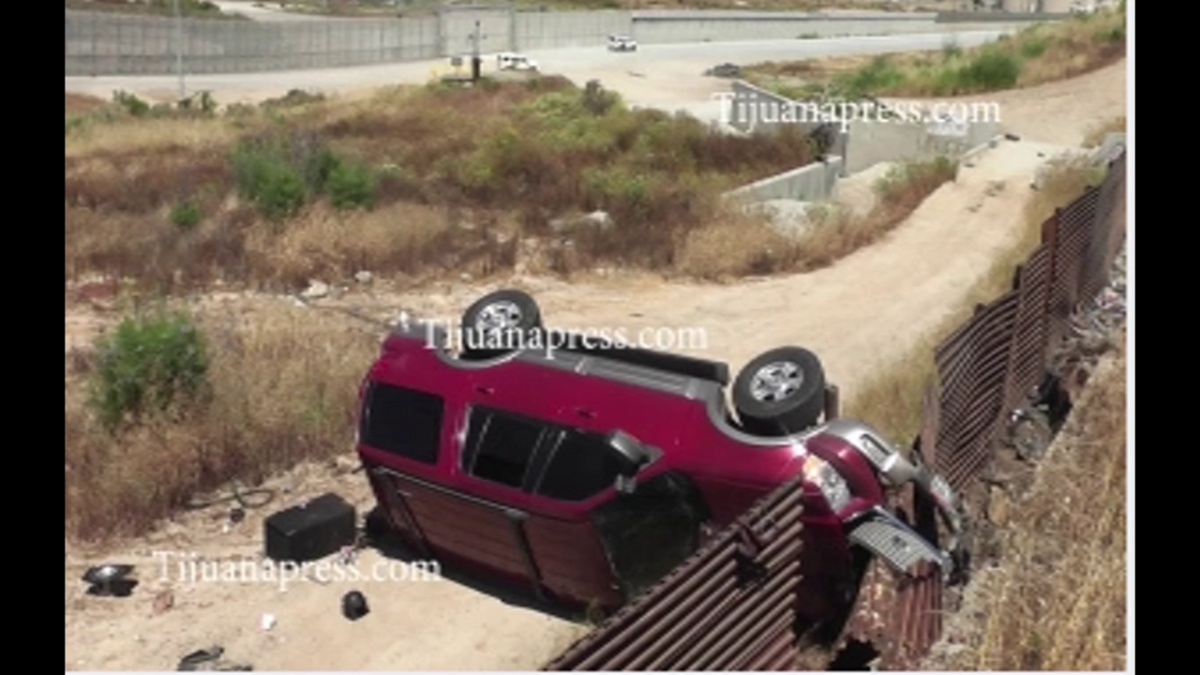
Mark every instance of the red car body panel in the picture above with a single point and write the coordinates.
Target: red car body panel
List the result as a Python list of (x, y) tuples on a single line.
[(553, 546)]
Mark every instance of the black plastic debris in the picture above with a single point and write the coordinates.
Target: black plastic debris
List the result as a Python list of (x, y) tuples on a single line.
[(210, 660), (110, 580), (311, 530), (354, 606)]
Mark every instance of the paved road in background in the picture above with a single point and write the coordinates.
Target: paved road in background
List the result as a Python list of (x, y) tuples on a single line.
[(265, 12), (666, 76)]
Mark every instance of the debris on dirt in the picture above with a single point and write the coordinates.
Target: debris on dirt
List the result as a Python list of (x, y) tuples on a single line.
[(1012, 137), (268, 621), (597, 219), (730, 70), (315, 290), (342, 465), (237, 514), (998, 507), (110, 580), (364, 277), (163, 601), (354, 606), (1092, 331), (210, 659)]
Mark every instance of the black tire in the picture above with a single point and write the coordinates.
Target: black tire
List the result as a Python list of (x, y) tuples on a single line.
[(781, 392), (500, 322)]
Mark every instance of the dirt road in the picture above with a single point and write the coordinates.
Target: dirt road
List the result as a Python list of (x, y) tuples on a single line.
[(858, 315)]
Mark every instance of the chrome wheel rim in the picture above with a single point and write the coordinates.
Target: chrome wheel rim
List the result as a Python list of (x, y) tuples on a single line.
[(776, 381), (499, 316)]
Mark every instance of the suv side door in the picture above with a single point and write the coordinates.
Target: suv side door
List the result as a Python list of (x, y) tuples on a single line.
[(617, 544)]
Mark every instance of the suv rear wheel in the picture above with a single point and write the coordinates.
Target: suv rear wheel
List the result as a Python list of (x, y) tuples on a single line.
[(499, 322), (781, 392)]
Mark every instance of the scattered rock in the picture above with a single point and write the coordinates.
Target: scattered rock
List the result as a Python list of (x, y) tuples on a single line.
[(163, 600), (597, 219), (998, 507), (364, 277), (1012, 137), (268, 621), (464, 277), (315, 290), (341, 465)]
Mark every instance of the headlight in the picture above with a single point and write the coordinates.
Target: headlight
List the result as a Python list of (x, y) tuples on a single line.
[(831, 484)]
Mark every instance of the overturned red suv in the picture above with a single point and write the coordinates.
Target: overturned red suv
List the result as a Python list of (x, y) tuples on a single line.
[(586, 473)]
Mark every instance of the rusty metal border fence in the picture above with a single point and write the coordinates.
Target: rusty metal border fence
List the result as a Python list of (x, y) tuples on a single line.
[(731, 606), (705, 616), (993, 364)]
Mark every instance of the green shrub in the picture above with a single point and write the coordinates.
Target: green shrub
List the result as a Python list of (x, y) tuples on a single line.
[(1032, 48), (876, 77), (1114, 34), (280, 172), (152, 364), (131, 104), (265, 177), (989, 71), (351, 186), (186, 215)]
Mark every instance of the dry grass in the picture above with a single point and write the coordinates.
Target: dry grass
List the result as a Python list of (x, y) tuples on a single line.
[(1035, 55), (1094, 137), (1057, 600), (892, 398), (496, 155), (283, 390)]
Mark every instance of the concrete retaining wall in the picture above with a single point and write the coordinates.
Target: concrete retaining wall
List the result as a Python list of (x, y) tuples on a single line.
[(871, 142), (548, 30), (100, 43), (866, 142), (807, 184)]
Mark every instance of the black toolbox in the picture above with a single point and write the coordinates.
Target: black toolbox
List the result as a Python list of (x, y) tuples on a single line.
[(311, 530)]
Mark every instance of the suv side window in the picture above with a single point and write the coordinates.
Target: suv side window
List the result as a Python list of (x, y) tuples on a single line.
[(582, 465), (500, 446), (402, 421)]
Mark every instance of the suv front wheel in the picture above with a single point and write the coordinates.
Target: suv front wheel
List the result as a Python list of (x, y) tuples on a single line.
[(500, 322), (781, 392)]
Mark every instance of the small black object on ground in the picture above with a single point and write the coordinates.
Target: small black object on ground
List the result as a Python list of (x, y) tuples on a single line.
[(210, 659), (310, 531), (354, 606), (110, 580)]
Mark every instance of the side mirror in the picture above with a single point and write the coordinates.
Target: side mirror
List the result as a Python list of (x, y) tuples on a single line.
[(632, 453)]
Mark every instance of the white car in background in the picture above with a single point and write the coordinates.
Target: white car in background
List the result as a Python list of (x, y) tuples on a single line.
[(622, 43), (511, 61)]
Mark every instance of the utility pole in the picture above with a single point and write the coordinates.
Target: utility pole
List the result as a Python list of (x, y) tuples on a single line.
[(179, 50), (476, 60)]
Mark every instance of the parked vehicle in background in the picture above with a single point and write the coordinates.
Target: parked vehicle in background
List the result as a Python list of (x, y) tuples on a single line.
[(511, 61), (622, 43)]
